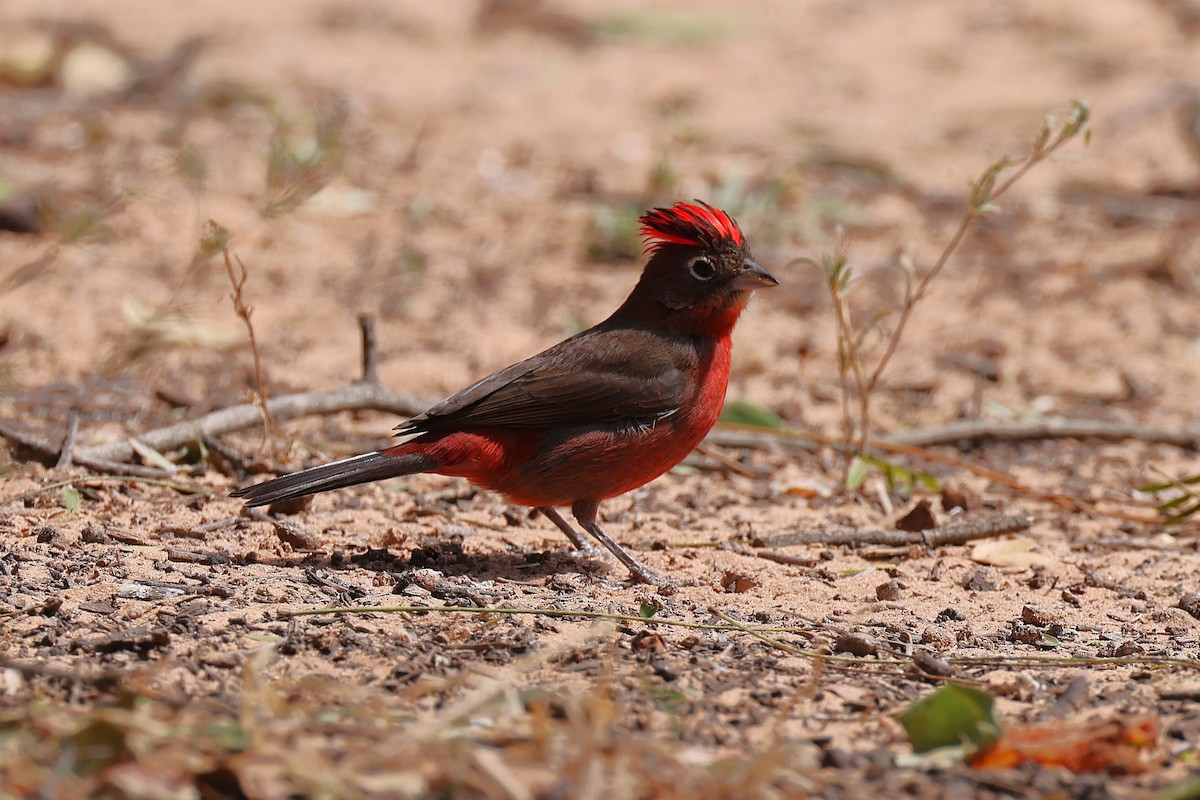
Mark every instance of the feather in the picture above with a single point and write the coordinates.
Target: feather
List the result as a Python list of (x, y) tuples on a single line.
[(695, 225)]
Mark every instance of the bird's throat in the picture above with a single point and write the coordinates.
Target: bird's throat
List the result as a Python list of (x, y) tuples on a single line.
[(714, 319)]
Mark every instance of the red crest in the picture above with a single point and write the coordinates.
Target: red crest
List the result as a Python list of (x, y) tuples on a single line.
[(695, 225)]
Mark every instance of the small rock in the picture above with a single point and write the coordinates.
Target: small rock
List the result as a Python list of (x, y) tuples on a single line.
[(736, 582), (950, 615), (48, 534), (930, 664), (1033, 615), (95, 534), (980, 581), (1191, 604), (855, 644), (1127, 649), (665, 670), (1024, 634), (296, 535), (890, 590), (938, 636)]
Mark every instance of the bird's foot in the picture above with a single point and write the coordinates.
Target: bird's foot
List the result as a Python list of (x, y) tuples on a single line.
[(646, 577), (585, 550), (661, 585)]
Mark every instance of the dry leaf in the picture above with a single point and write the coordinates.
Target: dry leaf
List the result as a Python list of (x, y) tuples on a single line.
[(1118, 746), (1008, 553)]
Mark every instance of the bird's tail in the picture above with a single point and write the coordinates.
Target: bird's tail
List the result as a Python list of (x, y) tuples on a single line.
[(337, 475)]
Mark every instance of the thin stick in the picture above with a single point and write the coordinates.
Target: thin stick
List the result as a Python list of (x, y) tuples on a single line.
[(67, 454), (954, 533), (1047, 428), (370, 351)]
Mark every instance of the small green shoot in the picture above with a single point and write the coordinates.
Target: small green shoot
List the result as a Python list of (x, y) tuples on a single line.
[(899, 477), (649, 608), (1181, 499)]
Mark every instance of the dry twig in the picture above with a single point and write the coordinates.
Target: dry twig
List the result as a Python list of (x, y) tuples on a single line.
[(975, 430), (953, 533), (355, 397), (67, 454)]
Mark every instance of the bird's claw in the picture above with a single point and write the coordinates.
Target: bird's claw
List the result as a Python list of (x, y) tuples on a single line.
[(585, 550)]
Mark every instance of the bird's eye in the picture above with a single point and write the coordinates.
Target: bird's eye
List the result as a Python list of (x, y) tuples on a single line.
[(702, 269)]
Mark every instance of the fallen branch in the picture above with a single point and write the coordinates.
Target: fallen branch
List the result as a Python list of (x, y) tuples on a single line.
[(355, 397), (1048, 428), (47, 451), (953, 533)]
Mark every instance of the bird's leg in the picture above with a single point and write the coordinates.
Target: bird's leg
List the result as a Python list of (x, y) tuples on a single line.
[(582, 546), (585, 514)]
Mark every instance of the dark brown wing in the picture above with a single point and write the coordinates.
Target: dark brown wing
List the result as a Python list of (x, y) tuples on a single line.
[(600, 376)]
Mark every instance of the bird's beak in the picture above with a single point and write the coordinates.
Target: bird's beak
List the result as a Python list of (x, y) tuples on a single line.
[(753, 276)]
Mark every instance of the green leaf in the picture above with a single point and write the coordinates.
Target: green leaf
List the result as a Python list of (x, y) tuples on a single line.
[(72, 499), (952, 716), (857, 473), (1182, 514), (648, 609), (898, 476), (743, 412)]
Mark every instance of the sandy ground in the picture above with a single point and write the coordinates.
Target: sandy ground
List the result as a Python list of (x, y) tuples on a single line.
[(481, 163)]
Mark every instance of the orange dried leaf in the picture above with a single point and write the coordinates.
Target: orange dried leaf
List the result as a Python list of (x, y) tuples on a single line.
[(1117, 746)]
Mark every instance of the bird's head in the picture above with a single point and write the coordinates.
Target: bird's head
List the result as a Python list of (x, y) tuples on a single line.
[(700, 272)]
